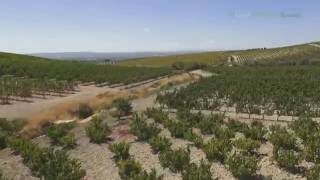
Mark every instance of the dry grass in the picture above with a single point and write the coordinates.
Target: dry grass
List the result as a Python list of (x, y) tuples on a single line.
[(64, 110)]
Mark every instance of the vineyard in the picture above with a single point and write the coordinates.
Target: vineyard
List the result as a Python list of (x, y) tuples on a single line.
[(300, 53), (281, 91), (19, 89), (33, 67), (304, 52)]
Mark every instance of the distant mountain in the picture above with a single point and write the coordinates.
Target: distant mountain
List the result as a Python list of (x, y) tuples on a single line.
[(94, 56)]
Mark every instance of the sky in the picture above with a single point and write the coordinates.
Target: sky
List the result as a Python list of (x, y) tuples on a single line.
[(33, 26)]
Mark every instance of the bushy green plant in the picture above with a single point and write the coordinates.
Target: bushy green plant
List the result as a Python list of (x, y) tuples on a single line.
[(247, 145), (256, 132), (68, 141), (312, 148), (175, 160), (97, 130), (195, 138), (84, 111), (11, 127), (217, 149), (178, 129), (57, 165), (148, 176), (280, 137), (237, 126), (287, 159), (129, 169), (242, 166), (157, 115), (224, 133), (195, 172), (144, 131), (47, 163), (208, 126), (3, 140), (59, 134), (123, 106), (159, 144), (313, 173), (120, 150), (305, 127)]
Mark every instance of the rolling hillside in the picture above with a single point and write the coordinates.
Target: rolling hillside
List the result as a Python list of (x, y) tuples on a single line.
[(241, 56)]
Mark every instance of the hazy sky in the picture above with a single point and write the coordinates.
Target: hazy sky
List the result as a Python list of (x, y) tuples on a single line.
[(28, 26)]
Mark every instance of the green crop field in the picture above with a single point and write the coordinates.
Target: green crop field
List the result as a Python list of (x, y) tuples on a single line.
[(219, 57), (40, 68)]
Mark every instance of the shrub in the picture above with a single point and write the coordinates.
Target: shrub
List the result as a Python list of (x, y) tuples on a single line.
[(159, 144), (194, 172), (207, 126), (256, 131), (178, 129), (195, 138), (58, 165), (123, 105), (157, 115), (175, 160), (121, 151), (142, 130), (217, 149), (68, 141), (305, 127), (312, 148), (128, 169), (313, 173), (247, 145), (57, 131), (3, 140), (148, 176), (84, 111), (47, 163), (188, 118), (280, 137), (287, 159), (11, 126), (242, 166), (98, 131), (237, 126), (224, 133)]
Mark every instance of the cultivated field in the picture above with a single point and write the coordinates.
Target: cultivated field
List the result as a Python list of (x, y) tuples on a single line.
[(254, 117)]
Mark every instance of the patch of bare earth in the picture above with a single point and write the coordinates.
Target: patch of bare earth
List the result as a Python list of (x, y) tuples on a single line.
[(12, 166)]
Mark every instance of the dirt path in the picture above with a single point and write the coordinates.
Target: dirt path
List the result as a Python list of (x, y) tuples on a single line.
[(25, 109), (40, 113)]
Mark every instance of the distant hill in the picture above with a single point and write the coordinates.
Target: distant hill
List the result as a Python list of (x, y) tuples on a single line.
[(96, 56), (304, 51)]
